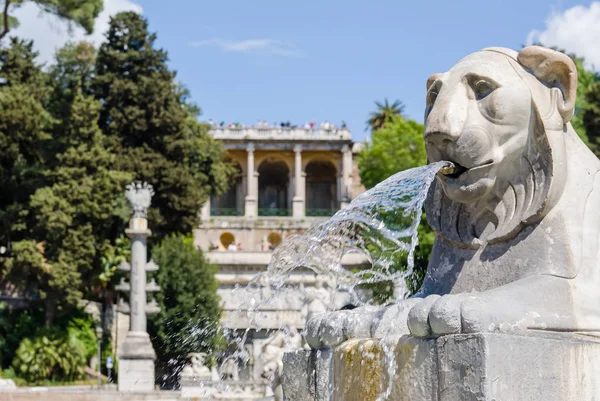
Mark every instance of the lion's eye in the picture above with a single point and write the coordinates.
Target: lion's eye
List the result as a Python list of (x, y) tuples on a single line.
[(482, 88), (431, 96)]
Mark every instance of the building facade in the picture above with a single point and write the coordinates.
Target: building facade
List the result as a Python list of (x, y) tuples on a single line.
[(289, 179)]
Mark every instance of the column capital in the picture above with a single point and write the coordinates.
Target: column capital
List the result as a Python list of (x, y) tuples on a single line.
[(250, 148), (298, 149), (346, 149)]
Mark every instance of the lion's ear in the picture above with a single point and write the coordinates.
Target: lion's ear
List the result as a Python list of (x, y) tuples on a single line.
[(432, 79), (555, 69)]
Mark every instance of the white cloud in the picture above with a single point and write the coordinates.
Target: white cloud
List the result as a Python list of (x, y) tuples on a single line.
[(577, 30), (50, 33), (264, 46)]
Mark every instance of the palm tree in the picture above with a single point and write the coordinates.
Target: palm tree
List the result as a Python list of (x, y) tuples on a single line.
[(384, 113)]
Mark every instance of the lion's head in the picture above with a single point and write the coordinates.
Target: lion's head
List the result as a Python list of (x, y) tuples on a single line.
[(500, 116)]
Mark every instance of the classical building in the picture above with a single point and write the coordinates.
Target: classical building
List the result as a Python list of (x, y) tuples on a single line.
[(289, 178)]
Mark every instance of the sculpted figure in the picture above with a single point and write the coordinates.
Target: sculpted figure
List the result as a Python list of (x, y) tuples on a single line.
[(229, 369), (318, 298), (272, 355), (517, 223), (197, 369)]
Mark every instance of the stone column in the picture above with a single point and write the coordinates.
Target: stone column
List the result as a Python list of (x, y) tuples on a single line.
[(205, 211), (136, 355), (251, 206), (346, 176), (298, 202)]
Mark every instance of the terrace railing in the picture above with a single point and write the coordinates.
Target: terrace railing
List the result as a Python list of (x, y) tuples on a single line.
[(222, 211), (280, 133), (271, 211), (315, 212)]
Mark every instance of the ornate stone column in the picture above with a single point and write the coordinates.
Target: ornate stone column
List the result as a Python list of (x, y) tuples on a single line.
[(251, 206), (298, 202), (346, 176), (136, 355)]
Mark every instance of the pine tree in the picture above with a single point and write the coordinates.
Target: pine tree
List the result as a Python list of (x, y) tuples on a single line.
[(153, 128), (73, 214), (24, 129)]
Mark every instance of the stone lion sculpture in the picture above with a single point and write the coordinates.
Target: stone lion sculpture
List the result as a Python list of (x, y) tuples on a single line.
[(517, 223)]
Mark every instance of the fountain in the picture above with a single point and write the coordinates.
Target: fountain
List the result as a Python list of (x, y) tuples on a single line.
[(510, 306)]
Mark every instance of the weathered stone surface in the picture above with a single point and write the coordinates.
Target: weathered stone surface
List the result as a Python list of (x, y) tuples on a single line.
[(308, 375), (136, 375), (136, 363), (548, 367), (461, 367), (298, 376), (137, 345)]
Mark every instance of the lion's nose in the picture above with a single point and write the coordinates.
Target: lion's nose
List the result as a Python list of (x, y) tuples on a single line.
[(438, 139)]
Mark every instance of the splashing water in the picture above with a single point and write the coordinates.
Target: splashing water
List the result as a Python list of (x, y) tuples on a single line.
[(378, 223)]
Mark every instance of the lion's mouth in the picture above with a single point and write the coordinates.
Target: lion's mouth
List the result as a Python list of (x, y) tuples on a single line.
[(455, 170)]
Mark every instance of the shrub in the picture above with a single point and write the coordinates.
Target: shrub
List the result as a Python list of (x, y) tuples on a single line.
[(50, 356)]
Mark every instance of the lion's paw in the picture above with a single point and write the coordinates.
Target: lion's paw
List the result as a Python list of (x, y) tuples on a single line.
[(330, 329), (449, 314)]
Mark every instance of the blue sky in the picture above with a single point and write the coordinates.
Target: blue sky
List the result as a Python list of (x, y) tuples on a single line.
[(330, 60)]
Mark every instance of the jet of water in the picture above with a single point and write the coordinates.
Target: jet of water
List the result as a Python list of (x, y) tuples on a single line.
[(378, 223)]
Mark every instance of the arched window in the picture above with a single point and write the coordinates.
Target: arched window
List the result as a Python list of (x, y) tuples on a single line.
[(321, 188), (273, 184), (231, 203)]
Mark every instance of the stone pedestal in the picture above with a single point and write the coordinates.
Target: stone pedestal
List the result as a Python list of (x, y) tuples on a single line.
[(136, 363), (465, 367)]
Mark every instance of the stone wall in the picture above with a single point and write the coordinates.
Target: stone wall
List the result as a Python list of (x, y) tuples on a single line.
[(464, 367)]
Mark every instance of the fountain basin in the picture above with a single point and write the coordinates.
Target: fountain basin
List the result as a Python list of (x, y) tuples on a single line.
[(462, 367)]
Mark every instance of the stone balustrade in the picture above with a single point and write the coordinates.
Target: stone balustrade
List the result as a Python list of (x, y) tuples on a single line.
[(281, 133)]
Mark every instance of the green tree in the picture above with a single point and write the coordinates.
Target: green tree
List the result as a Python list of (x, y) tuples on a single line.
[(58, 190), (82, 13), (73, 214), (395, 147), (398, 145), (71, 74), (24, 131), (152, 127), (585, 85), (385, 113), (591, 117), (190, 311)]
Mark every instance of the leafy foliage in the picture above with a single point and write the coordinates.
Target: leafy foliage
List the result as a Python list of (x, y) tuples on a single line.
[(591, 117), (53, 353), (50, 356), (190, 311), (395, 147), (82, 13)]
